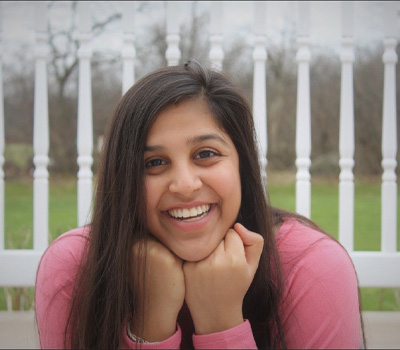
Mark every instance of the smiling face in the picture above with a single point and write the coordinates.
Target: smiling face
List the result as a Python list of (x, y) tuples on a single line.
[(192, 179)]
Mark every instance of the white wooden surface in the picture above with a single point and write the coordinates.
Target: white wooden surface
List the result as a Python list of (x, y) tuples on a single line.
[(18, 330)]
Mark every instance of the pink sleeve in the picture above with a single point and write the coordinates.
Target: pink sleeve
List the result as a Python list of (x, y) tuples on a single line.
[(240, 337), (54, 285), (320, 307)]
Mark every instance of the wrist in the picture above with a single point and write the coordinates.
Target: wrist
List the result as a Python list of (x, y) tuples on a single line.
[(216, 325), (152, 330), (135, 338)]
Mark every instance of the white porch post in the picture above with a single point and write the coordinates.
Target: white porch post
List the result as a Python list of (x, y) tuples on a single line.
[(41, 134), (85, 123), (303, 118), (216, 54), (173, 54), (346, 136), (259, 84), (128, 49), (2, 142), (389, 135)]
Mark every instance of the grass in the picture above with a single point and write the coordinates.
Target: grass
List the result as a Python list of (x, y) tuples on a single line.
[(19, 226), (19, 211), (19, 154), (324, 210)]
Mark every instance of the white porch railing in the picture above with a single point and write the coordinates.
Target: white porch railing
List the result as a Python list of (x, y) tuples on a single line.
[(375, 269)]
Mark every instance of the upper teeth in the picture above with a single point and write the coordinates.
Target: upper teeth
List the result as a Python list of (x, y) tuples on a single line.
[(189, 212)]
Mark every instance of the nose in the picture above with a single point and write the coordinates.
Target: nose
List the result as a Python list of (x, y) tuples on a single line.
[(185, 180)]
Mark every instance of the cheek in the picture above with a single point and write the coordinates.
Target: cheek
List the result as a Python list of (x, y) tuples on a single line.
[(152, 191), (227, 184), (235, 195)]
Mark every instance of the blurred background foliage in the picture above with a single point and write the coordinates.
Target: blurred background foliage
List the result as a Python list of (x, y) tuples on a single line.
[(325, 74)]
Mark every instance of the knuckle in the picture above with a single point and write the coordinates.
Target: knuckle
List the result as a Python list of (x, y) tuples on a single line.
[(231, 233)]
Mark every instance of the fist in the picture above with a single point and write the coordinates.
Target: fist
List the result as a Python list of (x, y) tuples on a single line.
[(216, 286), (159, 301)]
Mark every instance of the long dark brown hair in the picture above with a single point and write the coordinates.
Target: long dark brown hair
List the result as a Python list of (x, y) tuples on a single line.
[(103, 293)]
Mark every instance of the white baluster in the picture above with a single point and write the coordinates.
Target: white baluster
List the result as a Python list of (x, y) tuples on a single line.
[(128, 49), (346, 136), (85, 123), (389, 135), (2, 143), (303, 118), (259, 84), (216, 54), (173, 54), (41, 134)]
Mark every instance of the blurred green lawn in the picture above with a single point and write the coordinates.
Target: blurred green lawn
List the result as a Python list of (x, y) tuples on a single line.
[(324, 210)]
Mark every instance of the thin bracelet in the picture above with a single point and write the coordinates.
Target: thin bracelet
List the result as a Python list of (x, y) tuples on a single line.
[(135, 338)]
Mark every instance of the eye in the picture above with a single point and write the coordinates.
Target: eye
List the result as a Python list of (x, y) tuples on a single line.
[(154, 163), (206, 154)]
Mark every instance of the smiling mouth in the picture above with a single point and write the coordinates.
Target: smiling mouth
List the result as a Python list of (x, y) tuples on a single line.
[(190, 214)]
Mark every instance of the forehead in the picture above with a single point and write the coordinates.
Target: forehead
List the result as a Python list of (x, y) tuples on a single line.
[(187, 117)]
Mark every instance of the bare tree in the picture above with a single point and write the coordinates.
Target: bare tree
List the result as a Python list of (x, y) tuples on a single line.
[(194, 43), (368, 87), (281, 75), (64, 45), (325, 110), (63, 69), (281, 107)]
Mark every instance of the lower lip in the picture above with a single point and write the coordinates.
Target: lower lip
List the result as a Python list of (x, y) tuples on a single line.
[(191, 225)]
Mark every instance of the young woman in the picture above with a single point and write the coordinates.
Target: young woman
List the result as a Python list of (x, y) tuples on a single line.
[(183, 249)]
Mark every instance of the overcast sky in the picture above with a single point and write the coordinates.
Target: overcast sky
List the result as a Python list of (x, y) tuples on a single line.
[(18, 20)]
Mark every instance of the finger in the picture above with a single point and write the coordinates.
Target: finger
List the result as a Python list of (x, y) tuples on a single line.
[(233, 242), (253, 244)]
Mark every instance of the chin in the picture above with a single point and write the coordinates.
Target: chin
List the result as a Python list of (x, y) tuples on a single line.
[(194, 256)]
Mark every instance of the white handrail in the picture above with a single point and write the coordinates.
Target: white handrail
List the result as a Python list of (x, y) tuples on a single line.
[(21, 266)]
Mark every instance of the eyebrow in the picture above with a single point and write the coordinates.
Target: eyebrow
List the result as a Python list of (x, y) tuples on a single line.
[(206, 137), (192, 141)]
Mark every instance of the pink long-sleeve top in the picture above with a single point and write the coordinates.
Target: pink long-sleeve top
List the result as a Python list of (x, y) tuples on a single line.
[(319, 307)]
